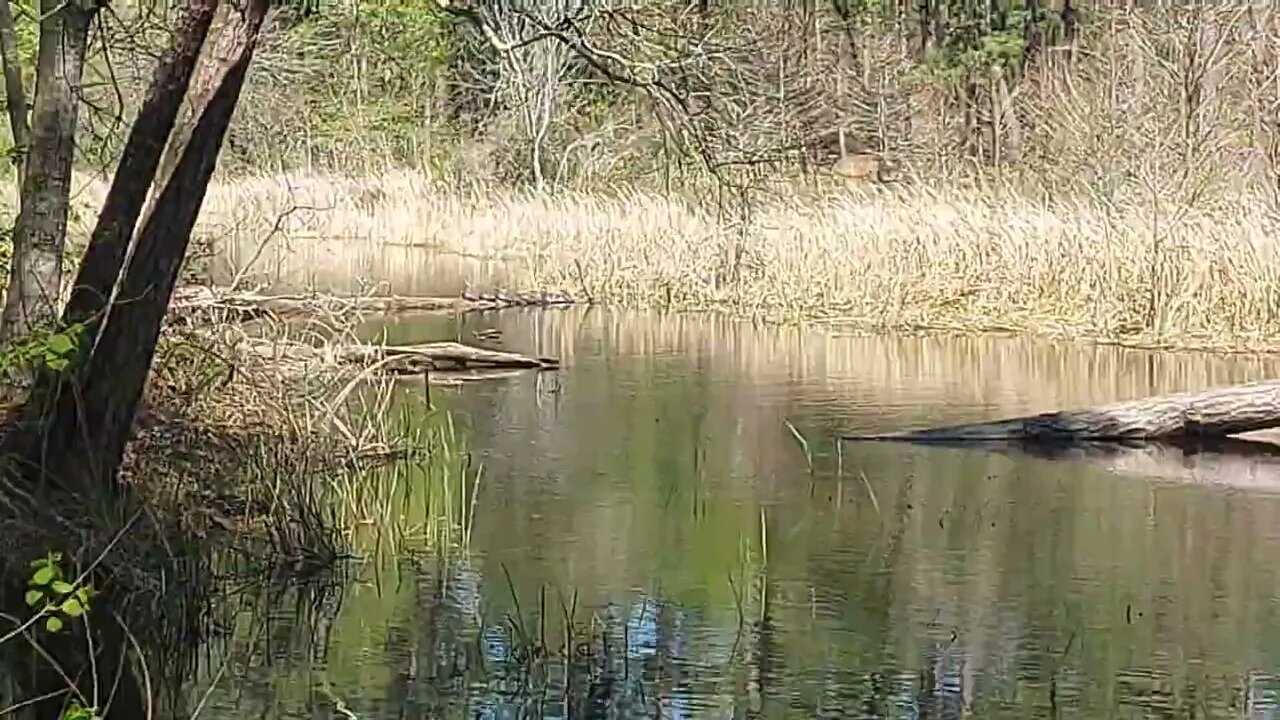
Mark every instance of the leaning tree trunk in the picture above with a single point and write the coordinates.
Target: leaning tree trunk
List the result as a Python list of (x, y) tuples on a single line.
[(109, 242), (229, 39), (35, 275), (75, 427), (118, 367)]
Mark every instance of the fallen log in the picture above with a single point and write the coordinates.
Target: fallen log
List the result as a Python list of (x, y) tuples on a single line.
[(1214, 413), (414, 359), (455, 378), (403, 359), (251, 305)]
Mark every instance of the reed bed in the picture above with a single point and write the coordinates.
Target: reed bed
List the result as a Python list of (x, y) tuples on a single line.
[(319, 437), (1145, 270)]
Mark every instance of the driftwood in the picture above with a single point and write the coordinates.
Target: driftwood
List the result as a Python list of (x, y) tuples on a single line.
[(458, 362), (454, 378), (415, 359), (1211, 414), (250, 305)]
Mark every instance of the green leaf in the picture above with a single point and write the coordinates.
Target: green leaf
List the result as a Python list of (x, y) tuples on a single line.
[(61, 344), (44, 575), (34, 597), (57, 364), (61, 587), (76, 712), (53, 623), (71, 607)]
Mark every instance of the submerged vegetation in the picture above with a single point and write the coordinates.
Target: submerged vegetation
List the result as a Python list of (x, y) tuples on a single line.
[(243, 477)]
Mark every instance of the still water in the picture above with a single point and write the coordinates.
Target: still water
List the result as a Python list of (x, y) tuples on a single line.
[(653, 491)]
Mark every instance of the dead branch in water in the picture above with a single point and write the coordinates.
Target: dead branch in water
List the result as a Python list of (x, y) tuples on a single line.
[(454, 378), (408, 359), (1211, 414), (251, 305), (413, 359)]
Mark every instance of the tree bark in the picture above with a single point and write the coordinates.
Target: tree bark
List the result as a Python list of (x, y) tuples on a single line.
[(61, 448), (91, 418), (83, 419), (1211, 414), (228, 44), (35, 276), (109, 242), (15, 94)]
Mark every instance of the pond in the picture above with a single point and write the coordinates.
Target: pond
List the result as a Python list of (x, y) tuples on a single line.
[(650, 507)]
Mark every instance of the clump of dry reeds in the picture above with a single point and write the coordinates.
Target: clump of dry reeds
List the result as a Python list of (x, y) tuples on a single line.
[(239, 434), (1163, 259), (1150, 270)]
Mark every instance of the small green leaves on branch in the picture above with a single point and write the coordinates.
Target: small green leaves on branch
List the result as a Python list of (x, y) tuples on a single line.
[(76, 711), (49, 590), (44, 349)]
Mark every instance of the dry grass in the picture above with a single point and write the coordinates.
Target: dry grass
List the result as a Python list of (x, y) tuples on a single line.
[(291, 436), (244, 478), (1145, 272)]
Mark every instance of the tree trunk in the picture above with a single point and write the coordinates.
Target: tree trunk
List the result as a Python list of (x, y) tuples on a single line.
[(139, 162), (1211, 414), (79, 421), (228, 44), (35, 276), (15, 94), (92, 417)]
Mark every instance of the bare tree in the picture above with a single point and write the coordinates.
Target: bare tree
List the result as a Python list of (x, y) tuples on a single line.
[(532, 74)]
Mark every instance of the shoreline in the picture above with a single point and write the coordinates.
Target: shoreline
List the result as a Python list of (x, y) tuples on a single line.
[(1144, 344), (250, 304), (935, 258)]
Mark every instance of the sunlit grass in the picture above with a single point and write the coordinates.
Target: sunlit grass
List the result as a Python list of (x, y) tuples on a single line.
[(915, 257)]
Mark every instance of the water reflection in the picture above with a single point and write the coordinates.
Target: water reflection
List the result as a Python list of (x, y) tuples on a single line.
[(651, 542)]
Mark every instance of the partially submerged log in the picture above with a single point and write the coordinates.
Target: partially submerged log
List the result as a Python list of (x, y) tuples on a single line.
[(455, 378), (406, 359), (415, 359), (1211, 414), (251, 305)]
